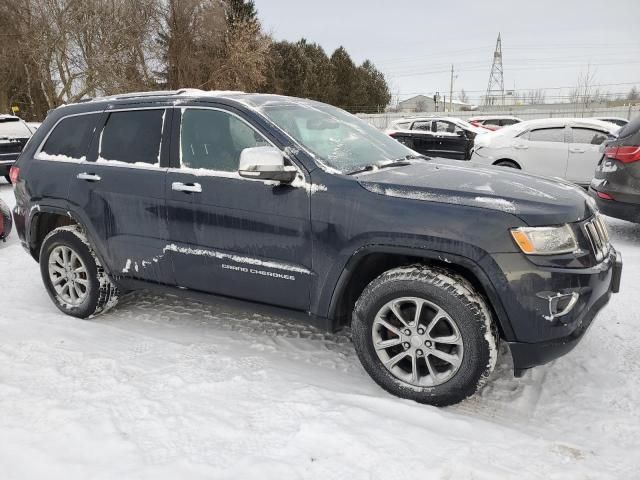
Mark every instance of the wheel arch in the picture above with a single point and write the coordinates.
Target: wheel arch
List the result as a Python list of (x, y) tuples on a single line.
[(369, 262), (510, 160), (46, 218)]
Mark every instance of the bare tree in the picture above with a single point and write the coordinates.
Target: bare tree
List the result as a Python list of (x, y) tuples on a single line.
[(463, 97)]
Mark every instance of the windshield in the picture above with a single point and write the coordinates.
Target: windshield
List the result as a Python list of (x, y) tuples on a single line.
[(14, 129), (339, 139)]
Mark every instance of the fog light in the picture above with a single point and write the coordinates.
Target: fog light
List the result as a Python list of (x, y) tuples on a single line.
[(560, 304)]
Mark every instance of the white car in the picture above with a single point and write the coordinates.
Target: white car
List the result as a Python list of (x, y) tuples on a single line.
[(568, 148)]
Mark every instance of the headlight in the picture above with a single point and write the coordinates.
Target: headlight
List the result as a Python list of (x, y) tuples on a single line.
[(545, 240)]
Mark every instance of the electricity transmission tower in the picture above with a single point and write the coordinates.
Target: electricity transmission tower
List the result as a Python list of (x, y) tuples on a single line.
[(495, 89)]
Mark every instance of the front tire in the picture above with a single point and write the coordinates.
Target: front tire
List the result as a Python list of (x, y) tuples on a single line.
[(73, 276), (424, 334)]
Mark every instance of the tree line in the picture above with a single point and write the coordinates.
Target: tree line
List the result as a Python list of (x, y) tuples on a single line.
[(60, 51)]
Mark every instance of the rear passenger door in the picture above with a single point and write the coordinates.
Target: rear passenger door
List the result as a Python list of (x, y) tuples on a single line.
[(424, 141), (230, 235), (584, 154), (451, 142), (543, 151), (120, 190)]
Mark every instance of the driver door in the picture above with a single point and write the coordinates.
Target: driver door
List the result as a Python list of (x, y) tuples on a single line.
[(229, 235)]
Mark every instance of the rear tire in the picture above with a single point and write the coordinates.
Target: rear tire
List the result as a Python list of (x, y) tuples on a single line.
[(508, 164), (440, 359), (73, 276)]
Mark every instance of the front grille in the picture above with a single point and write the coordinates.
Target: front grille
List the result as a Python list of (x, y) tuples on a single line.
[(598, 235)]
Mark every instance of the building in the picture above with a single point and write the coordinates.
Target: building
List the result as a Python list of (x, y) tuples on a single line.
[(424, 103)]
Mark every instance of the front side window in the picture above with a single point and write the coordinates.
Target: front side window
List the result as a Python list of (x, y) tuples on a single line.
[(441, 126), (335, 137), (588, 136), (547, 135), (71, 137), (132, 137), (213, 139)]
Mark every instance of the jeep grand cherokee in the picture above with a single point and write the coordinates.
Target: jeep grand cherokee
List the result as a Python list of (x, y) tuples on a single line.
[(294, 204)]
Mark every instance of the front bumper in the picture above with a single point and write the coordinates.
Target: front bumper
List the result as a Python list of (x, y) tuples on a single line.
[(541, 339)]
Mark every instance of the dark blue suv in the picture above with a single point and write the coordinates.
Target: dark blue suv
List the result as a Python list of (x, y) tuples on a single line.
[(297, 206)]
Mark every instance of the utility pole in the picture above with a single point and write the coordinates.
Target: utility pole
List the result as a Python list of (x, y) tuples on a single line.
[(451, 89)]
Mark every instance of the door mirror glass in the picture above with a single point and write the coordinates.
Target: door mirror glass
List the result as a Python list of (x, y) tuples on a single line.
[(265, 163)]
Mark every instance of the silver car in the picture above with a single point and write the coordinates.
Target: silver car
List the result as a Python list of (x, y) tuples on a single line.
[(567, 148)]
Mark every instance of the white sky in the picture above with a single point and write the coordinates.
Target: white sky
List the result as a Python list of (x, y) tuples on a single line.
[(546, 43)]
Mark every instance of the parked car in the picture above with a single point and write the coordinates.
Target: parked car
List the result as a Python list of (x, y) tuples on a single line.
[(444, 137), (301, 209), (567, 148), (619, 121), (34, 125), (616, 184), (5, 221), (494, 122), (14, 134)]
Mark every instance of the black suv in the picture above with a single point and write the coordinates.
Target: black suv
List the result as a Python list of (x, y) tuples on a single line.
[(616, 184), (297, 206), (14, 134)]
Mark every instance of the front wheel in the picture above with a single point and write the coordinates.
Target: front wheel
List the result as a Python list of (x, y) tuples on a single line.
[(424, 334), (73, 275)]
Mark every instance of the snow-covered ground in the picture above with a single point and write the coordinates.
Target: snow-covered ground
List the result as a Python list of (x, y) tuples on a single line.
[(162, 387)]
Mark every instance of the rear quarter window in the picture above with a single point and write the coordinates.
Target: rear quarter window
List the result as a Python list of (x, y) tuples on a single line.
[(71, 136)]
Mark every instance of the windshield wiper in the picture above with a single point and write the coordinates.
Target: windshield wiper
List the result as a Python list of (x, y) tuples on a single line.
[(400, 162)]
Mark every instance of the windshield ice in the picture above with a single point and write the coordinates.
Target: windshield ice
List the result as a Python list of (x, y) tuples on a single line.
[(338, 139)]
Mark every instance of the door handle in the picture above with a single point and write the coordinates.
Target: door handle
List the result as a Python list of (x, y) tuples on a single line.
[(89, 177), (577, 150), (520, 146), (186, 187)]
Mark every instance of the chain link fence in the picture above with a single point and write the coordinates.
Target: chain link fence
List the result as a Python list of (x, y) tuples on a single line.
[(382, 120)]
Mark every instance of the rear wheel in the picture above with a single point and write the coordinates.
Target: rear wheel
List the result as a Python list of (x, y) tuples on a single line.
[(73, 275), (507, 163), (424, 334)]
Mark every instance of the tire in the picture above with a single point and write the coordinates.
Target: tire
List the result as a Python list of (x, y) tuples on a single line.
[(473, 346), (508, 164), (5, 212), (94, 292)]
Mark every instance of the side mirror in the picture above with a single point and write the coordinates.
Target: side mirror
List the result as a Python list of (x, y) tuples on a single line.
[(265, 163)]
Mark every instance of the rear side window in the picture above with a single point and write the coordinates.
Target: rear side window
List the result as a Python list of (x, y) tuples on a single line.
[(132, 137), (71, 136), (547, 135), (421, 126), (494, 121), (589, 136), (508, 121)]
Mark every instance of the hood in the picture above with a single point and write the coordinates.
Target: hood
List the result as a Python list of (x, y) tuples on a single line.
[(536, 200)]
